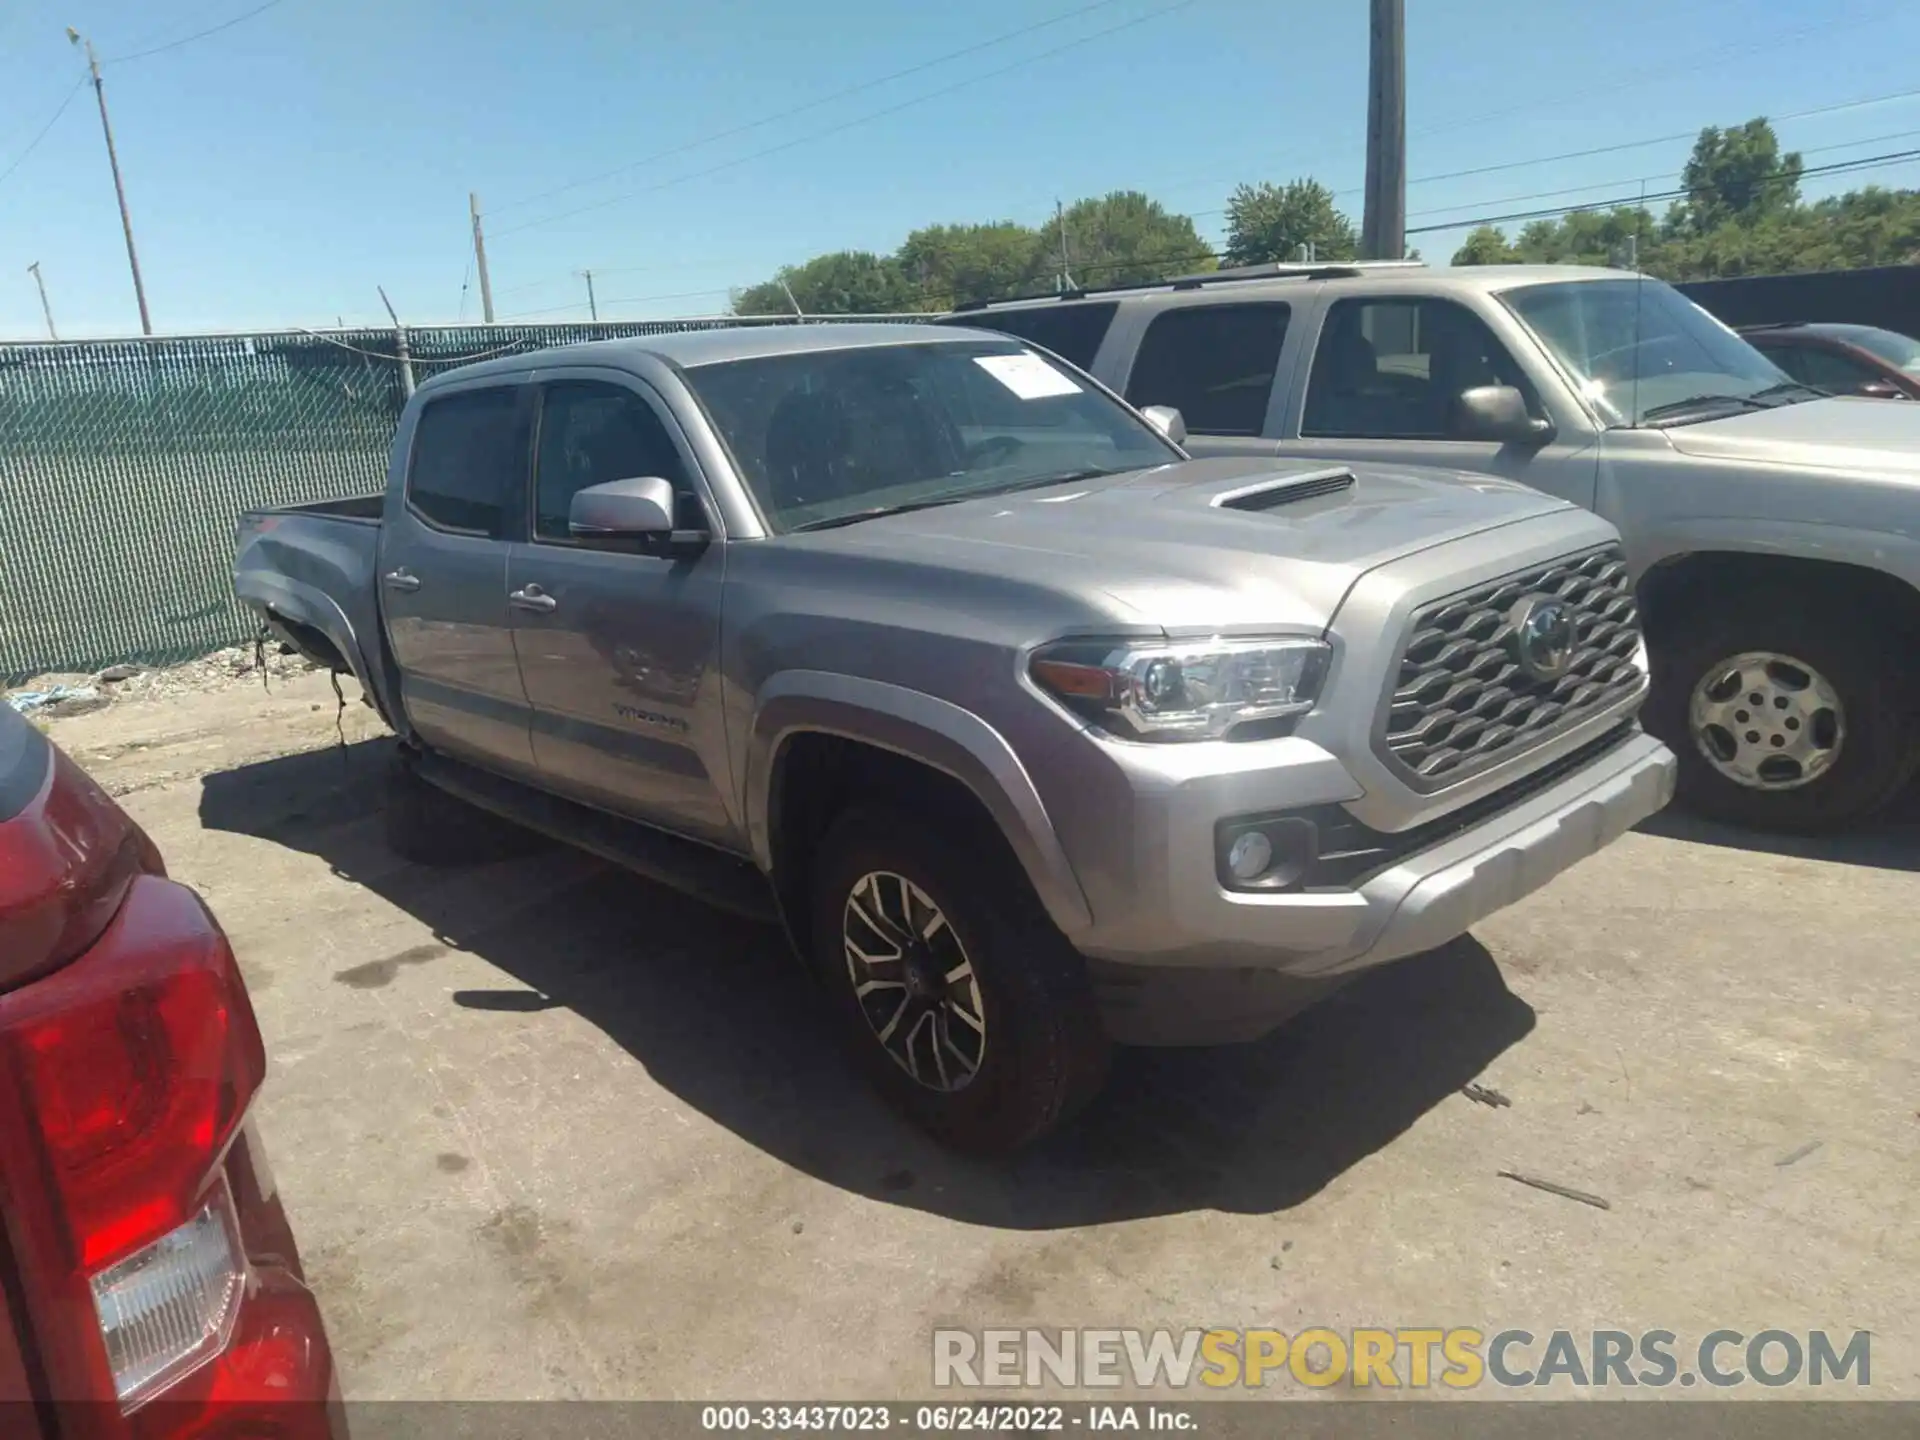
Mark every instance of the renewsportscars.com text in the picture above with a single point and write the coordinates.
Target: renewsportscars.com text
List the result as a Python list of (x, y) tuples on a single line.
[(1461, 1358)]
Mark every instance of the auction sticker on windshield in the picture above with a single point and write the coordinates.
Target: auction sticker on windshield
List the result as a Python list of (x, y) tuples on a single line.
[(1027, 376)]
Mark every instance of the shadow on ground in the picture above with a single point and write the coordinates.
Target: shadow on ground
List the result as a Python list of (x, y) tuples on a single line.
[(1888, 841), (721, 1015)]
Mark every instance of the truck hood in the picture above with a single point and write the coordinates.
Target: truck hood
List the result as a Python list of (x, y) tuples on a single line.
[(1156, 547), (1849, 433)]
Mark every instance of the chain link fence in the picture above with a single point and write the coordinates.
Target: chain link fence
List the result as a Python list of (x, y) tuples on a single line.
[(124, 465)]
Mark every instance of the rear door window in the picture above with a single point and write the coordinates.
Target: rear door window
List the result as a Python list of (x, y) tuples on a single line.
[(1071, 331), (469, 453), (1213, 363)]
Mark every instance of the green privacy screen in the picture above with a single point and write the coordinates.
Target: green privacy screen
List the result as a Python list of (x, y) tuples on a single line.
[(124, 465)]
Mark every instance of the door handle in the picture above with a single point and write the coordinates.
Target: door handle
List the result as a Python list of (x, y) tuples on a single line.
[(401, 579), (532, 598)]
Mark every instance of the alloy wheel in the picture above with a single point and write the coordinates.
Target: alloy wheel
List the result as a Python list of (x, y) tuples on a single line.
[(914, 981)]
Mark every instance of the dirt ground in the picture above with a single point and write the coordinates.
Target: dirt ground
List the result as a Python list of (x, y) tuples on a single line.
[(548, 1131)]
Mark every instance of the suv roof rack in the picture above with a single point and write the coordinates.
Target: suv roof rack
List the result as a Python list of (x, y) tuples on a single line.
[(1273, 270)]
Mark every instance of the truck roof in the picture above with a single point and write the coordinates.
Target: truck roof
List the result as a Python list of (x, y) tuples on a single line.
[(1284, 279), (693, 348)]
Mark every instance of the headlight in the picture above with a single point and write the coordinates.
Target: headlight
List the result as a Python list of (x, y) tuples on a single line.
[(1208, 690)]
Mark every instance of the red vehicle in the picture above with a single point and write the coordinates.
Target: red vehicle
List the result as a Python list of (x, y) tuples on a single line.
[(151, 1284), (1842, 359)]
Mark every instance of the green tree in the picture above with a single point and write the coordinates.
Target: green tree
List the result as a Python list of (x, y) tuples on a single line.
[(1127, 238), (1271, 222), (1486, 246), (948, 265), (843, 282), (1735, 175)]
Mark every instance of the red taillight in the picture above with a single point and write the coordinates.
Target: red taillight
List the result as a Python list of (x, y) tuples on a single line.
[(138, 1077), (65, 864)]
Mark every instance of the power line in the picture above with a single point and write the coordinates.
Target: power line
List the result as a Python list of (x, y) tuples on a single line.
[(1631, 145), (1830, 109), (785, 145), (34, 144), (1688, 66), (766, 120), (1582, 154), (1640, 179), (197, 35), (1867, 162)]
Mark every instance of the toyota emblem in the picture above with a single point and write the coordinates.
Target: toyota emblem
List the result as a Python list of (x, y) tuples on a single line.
[(1542, 637)]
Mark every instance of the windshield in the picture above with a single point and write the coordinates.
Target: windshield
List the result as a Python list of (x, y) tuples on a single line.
[(827, 436), (1637, 346), (1900, 351)]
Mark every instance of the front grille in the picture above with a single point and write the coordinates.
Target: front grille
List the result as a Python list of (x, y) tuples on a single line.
[(1462, 702)]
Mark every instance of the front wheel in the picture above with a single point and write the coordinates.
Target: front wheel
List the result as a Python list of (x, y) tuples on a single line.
[(1783, 719), (963, 1004)]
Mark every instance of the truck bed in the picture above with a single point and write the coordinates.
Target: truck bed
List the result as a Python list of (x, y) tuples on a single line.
[(309, 572), (365, 508)]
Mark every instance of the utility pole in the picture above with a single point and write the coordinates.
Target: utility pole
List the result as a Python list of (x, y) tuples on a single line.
[(593, 306), (1383, 226), (480, 258), (119, 188), (45, 308), (1066, 275)]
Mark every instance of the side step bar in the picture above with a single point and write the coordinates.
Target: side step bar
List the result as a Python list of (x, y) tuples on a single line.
[(721, 880)]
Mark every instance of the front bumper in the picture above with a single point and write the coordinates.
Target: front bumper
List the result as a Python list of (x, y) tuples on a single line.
[(1416, 902)]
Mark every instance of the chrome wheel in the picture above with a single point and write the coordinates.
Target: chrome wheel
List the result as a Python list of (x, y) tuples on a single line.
[(1767, 721), (913, 981)]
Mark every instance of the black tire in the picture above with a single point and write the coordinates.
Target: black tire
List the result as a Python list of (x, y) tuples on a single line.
[(428, 826), (1880, 745), (1043, 1053)]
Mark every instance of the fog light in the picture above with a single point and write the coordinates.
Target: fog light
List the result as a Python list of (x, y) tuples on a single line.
[(1250, 855)]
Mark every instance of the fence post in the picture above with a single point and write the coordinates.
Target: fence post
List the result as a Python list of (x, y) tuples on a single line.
[(405, 356)]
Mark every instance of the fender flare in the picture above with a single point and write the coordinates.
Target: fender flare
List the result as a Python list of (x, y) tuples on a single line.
[(1894, 556), (925, 729), (285, 598)]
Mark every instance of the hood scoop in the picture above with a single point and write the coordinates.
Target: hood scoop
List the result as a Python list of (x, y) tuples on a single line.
[(1284, 490)]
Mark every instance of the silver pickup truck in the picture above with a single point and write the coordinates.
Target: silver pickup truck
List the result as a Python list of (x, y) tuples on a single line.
[(1036, 734), (1773, 531)]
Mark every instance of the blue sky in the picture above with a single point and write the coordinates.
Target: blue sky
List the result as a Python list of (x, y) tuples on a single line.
[(280, 170)]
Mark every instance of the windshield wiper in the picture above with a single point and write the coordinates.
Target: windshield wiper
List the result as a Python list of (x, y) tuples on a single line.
[(1040, 482), (1786, 388), (854, 517), (1677, 411)]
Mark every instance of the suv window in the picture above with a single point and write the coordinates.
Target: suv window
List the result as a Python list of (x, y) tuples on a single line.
[(468, 454), (591, 432), (1213, 363), (1394, 369), (1822, 368), (1071, 331)]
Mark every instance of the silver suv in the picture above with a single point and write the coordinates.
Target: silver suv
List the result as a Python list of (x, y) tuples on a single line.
[(1773, 531), (1037, 734)]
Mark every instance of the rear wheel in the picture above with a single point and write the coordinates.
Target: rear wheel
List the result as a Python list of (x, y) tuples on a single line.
[(953, 991), (1783, 718)]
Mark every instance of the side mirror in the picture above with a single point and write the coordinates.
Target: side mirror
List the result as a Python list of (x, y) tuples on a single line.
[(1499, 412), (1167, 421), (1883, 390), (638, 511)]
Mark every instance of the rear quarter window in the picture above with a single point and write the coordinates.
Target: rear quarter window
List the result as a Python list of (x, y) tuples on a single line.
[(468, 455), (1072, 331), (1213, 363)]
